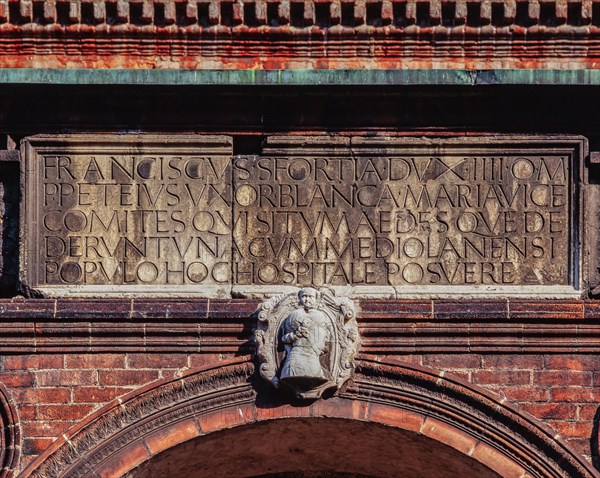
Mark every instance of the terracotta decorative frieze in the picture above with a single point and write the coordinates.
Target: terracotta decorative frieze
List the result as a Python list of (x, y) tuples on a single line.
[(284, 16), (300, 34)]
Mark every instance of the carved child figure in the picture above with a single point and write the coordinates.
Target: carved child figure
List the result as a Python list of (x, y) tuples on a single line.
[(306, 335)]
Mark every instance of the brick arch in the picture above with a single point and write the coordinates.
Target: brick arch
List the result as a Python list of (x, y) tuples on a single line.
[(415, 403), (9, 435)]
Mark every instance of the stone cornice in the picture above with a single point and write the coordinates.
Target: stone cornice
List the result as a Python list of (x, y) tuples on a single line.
[(296, 78)]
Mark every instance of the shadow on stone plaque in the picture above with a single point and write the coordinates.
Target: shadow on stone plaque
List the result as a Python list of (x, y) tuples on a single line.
[(306, 342), (9, 219)]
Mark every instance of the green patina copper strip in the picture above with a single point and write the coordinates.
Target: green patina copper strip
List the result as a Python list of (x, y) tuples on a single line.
[(298, 77)]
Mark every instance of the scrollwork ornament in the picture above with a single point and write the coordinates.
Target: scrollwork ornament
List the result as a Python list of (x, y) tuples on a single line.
[(307, 341)]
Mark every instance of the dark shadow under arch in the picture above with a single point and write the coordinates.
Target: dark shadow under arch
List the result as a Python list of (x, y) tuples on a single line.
[(312, 447)]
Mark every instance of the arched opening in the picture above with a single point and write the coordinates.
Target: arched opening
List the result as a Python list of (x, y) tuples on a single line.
[(393, 419), (310, 447)]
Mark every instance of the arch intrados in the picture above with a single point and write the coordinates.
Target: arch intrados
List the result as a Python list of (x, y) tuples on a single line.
[(143, 429), (312, 447)]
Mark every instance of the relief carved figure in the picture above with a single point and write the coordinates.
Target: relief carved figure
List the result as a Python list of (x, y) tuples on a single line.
[(307, 341)]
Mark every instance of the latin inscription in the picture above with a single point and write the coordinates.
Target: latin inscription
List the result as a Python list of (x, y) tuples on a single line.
[(330, 213), (383, 219), (157, 217)]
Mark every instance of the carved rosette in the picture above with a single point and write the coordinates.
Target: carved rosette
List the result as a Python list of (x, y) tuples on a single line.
[(308, 348)]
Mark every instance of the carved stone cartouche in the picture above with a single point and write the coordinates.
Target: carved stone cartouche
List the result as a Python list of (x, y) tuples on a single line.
[(307, 341)]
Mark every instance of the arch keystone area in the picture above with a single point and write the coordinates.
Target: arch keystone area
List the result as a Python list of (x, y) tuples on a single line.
[(392, 419)]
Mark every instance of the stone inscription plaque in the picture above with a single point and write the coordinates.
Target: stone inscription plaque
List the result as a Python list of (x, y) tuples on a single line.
[(392, 217), (129, 214)]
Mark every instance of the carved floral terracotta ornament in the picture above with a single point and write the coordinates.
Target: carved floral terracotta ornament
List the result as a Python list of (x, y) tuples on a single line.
[(307, 341)]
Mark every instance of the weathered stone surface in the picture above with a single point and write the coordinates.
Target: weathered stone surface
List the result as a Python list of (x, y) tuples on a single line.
[(127, 214), (406, 216), (307, 342), (367, 216)]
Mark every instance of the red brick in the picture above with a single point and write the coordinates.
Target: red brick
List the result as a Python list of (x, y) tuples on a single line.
[(230, 308), (462, 375), (514, 361), (157, 361), (171, 373), (470, 310), (125, 460), (588, 412), (28, 412), (502, 377), (449, 435), (571, 429), (226, 418), (551, 410), (174, 434), (395, 417), (45, 428), (523, 309), (340, 408), (281, 411), (35, 446), (96, 361), (160, 308), (573, 362), (42, 395), (415, 359), (66, 377), (396, 309), (17, 379), (447, 361), (580, 445), (63, 412), (97, 394), (205, 360), (562, 378), (127, 377), (575, 394), (500, 463), (33, 362), (524, 394)]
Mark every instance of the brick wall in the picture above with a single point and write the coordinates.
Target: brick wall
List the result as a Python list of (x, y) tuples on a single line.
[(53, 392)]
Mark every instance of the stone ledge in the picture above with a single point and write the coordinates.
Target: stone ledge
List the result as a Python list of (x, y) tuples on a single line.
[(454, 76)]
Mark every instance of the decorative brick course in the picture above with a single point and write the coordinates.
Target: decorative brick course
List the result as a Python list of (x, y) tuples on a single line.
[(224, 34)]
